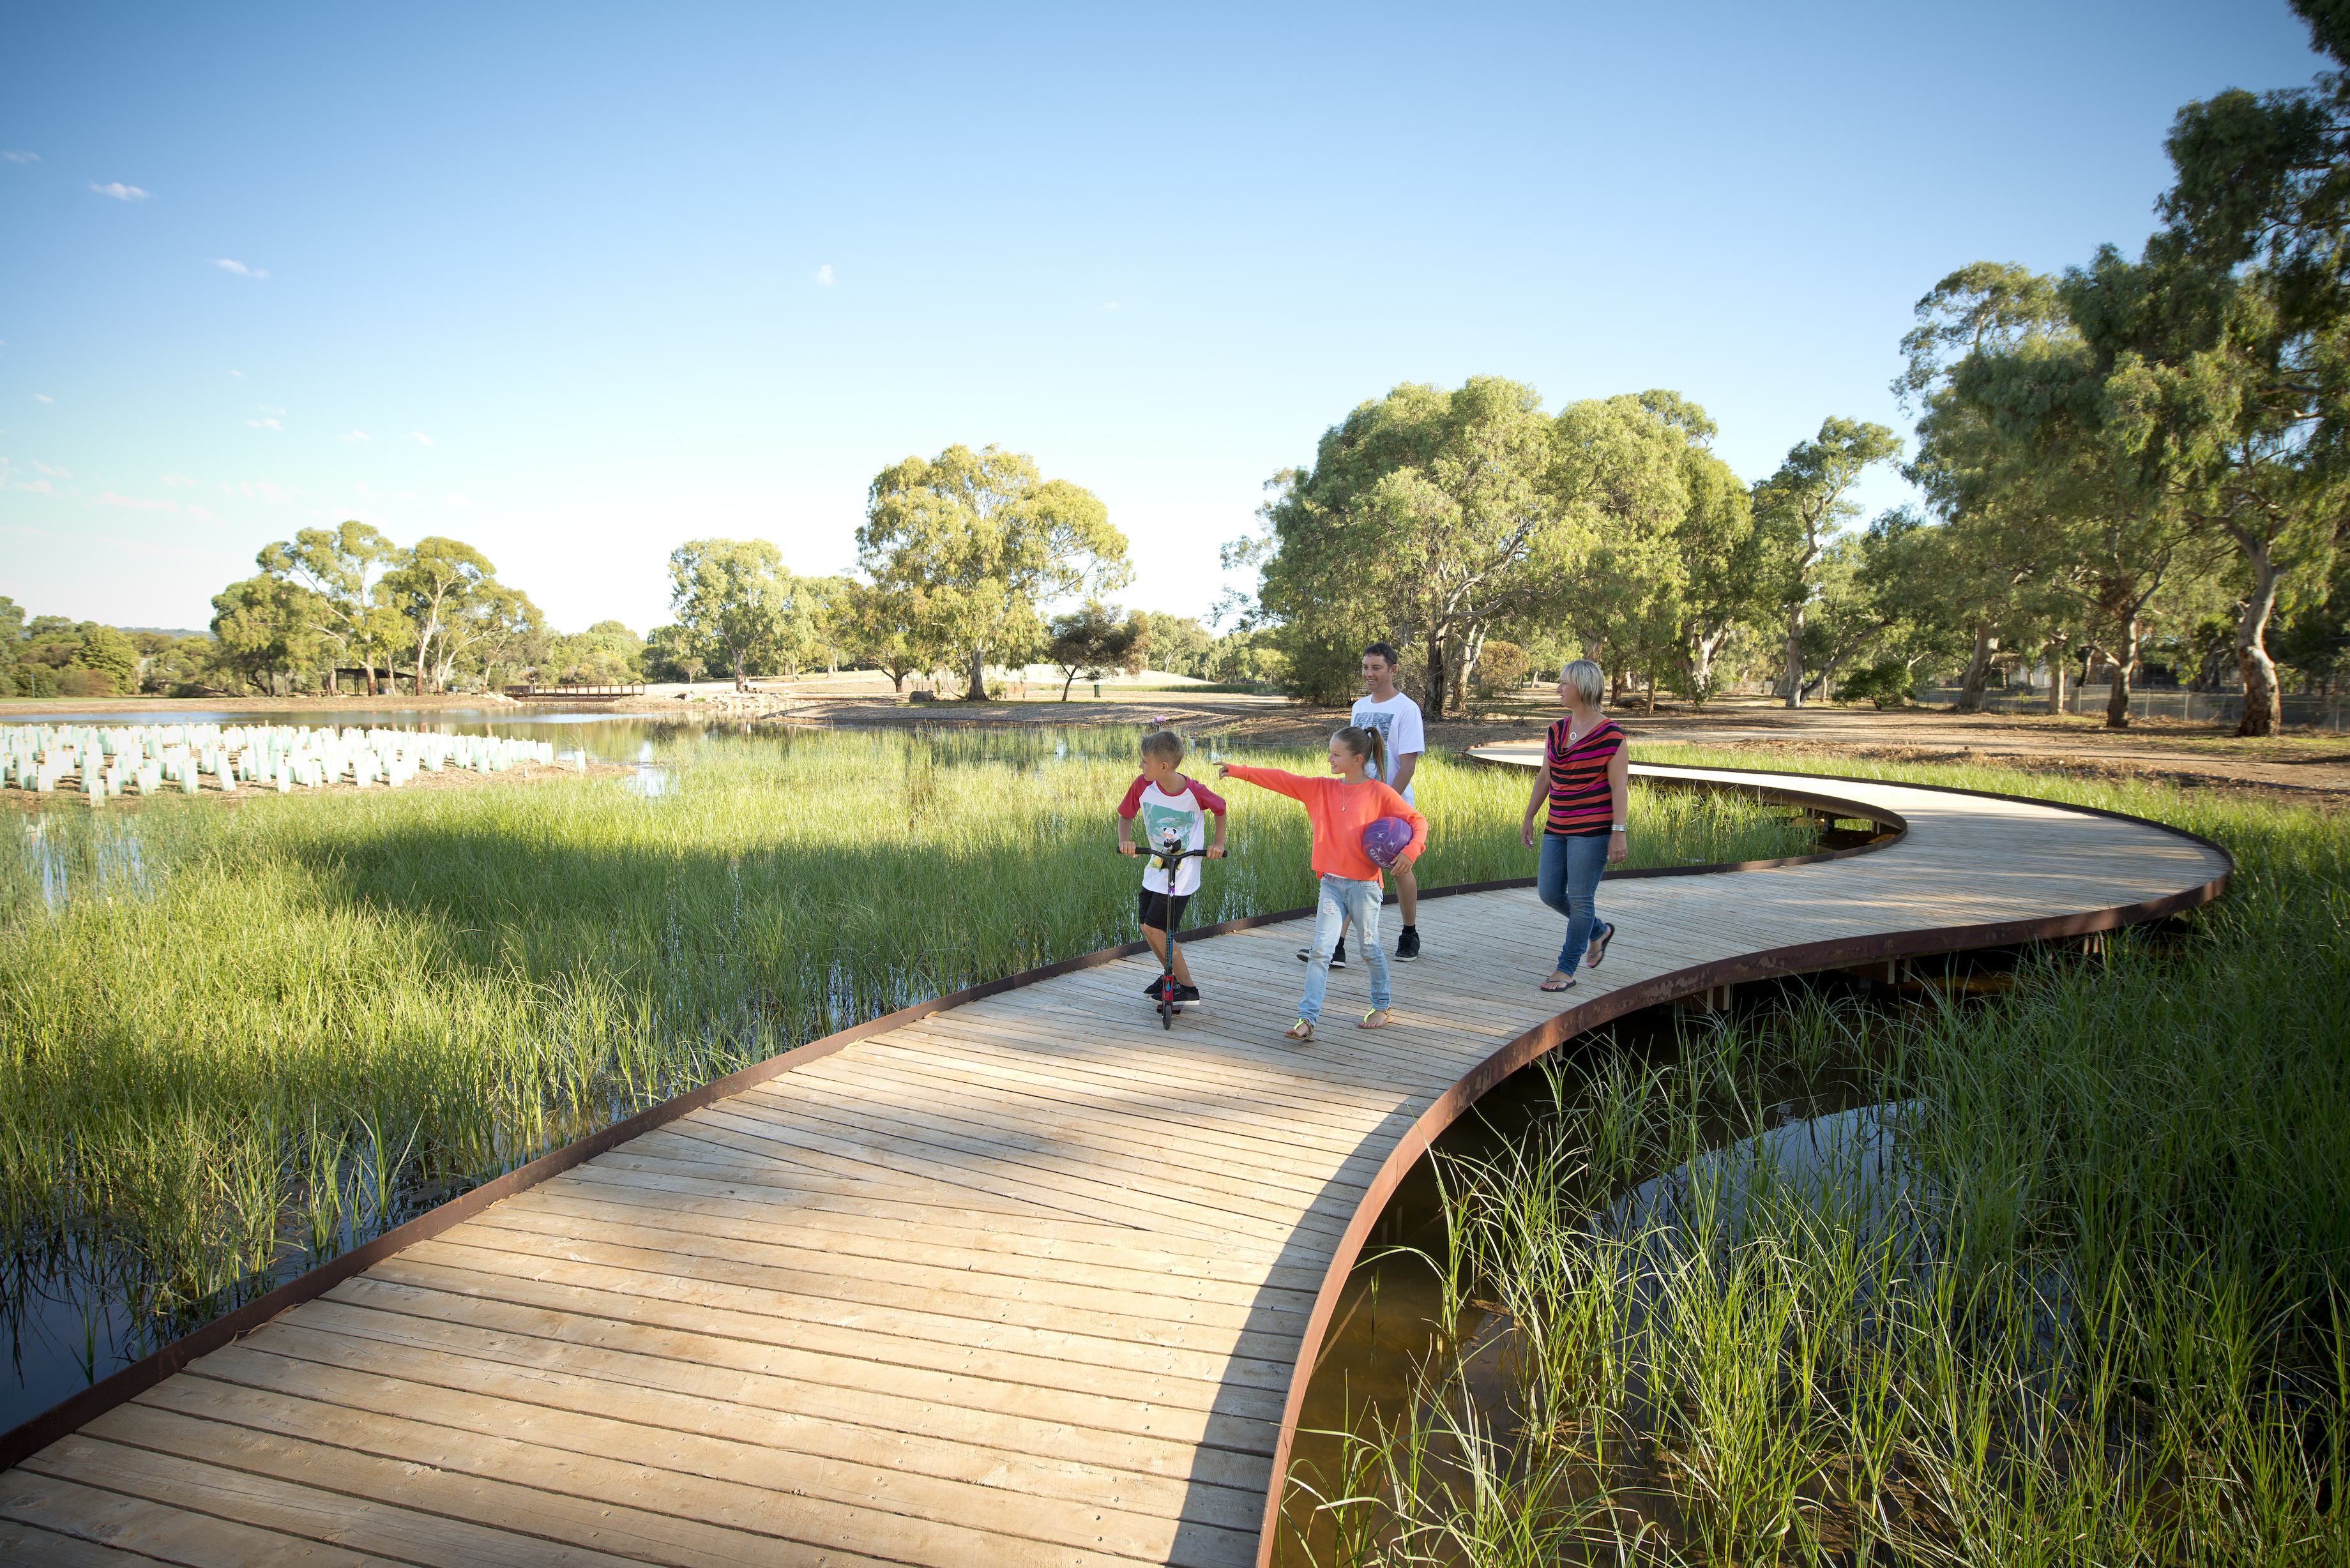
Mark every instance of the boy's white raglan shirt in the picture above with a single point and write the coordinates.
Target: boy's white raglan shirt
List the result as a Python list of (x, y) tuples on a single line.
[(1185, 812)]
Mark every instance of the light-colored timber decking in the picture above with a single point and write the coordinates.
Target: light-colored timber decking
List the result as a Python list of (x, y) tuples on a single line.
[(1025, 1281)]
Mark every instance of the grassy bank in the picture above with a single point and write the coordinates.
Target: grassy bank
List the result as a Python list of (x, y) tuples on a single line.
[(234, 1041), (2079, 1297)]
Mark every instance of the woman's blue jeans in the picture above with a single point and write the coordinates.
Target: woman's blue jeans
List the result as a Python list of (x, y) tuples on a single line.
[(1343, 900), (1568, 881)]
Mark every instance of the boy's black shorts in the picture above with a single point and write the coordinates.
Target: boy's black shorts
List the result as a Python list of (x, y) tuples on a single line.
[(1159, 910)]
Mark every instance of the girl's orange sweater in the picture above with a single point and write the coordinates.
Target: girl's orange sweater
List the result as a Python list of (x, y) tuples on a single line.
[(1339, 812)]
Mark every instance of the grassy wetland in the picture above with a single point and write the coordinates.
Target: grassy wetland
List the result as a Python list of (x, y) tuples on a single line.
[(2056, 1274), (236, 1041)]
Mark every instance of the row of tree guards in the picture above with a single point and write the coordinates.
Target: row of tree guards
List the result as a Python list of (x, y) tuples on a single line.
[(157, 759)]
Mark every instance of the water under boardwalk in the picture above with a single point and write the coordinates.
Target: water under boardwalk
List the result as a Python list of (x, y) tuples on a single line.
[(1026, 1280)]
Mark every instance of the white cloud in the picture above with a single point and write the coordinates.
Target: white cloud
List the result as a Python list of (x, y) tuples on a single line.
[(238, 374), (120, 192), (52, 472), (179, 479), (265, 424), (38, 487), (824, 275), (268, 491), (265, 409), (108, 498), (21, 157), (42, 398), (239, 268), (461, 503), (420, 438), (1111, 306), (354, 435), (200, 514)]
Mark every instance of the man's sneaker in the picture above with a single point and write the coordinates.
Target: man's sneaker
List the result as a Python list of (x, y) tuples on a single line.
[(1338, 955), (1407, 947)]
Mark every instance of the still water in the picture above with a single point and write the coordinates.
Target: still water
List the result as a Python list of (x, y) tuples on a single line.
[(602, 735)]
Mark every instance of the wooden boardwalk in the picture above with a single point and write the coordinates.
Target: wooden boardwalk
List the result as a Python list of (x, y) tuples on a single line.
[(1025, 1281)]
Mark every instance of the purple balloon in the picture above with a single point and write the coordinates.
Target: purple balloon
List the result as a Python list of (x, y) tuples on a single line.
[(1385, 839)]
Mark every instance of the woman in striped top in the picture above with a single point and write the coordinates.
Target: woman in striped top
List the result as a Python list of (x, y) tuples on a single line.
[(1585, 768)]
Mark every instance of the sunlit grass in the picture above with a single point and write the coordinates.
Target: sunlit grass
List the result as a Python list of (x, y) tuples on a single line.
[(2091, 1309), (234, 1040)]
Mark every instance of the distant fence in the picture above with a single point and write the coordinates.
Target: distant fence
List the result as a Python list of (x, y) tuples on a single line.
[(2193, 707)]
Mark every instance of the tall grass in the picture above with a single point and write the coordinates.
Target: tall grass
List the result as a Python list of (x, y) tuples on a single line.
[(2078, 1298), (234, 1041)]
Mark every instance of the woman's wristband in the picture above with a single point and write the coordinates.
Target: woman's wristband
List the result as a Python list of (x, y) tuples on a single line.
[(1615, 827)]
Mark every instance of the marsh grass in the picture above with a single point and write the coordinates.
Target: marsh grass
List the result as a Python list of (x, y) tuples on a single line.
[(232, 1043), (2085, 1302)]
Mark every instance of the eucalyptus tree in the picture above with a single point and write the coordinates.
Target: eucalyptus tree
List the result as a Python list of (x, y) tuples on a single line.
[(1429, 517), (2219, 404), (974, 542), (434, 583), (262, 628), (731, 597), (1799, 510), (1714, 545), (343, 570), (2230, 337), (1621, 472)]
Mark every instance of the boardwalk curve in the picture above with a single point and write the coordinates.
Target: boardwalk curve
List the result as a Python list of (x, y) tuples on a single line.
[(1013, 1278)]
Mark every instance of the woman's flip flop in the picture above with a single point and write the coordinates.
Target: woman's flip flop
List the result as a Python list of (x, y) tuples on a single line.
[(1378, 1013), (1560, 981), (1599, 949), (1301, 1031)]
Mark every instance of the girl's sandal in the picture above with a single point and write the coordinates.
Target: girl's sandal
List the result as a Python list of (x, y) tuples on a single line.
[(1379, 1013), (1301, 1031), (1559, 980), (1599, 949)]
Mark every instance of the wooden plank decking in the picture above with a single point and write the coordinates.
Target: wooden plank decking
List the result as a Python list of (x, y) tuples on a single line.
[(1027, 1281)]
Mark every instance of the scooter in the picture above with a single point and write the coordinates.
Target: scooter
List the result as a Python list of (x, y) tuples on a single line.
[(1167, 855)]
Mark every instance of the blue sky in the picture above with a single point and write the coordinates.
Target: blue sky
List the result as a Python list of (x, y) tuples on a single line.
[(576, 284)]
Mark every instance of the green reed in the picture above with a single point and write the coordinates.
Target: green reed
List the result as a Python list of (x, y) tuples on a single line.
[(2090, 1308), (235, 1041)]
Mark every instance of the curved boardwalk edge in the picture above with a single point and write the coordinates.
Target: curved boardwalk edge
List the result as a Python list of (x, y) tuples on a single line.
[(1467, 1050)]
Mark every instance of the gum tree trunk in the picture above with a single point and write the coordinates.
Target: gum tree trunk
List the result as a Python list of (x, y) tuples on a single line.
[(2263, 703), (1794, 676), (1970, 685)]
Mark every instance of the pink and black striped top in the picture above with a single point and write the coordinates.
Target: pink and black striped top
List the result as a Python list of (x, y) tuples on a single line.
[(1579, 801)]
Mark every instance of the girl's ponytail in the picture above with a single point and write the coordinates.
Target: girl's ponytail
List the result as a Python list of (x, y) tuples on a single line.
[(1366, 742)]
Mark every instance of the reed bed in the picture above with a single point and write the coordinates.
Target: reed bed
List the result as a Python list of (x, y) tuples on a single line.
[(2068, 1288), (234, 1043)]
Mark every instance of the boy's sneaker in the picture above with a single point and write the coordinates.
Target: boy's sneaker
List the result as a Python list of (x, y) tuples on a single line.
[(1187, 993), (1150, 987), (1338, 955), (1408, 945)]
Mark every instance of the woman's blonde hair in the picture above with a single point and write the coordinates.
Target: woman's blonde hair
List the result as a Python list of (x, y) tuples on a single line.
[(1365, 743), (1588, 680)]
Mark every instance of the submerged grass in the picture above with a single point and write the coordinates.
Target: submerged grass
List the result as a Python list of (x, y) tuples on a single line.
[(234, 1042), (2078, 1292)]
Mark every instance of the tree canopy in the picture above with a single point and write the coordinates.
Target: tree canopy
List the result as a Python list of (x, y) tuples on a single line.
[(974, 542)]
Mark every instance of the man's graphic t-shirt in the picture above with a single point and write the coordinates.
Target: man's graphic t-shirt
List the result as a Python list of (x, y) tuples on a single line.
[(1183, 814), (1397, 722)]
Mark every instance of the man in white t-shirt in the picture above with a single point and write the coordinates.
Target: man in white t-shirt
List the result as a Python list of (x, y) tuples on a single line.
[(1402, 738)]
